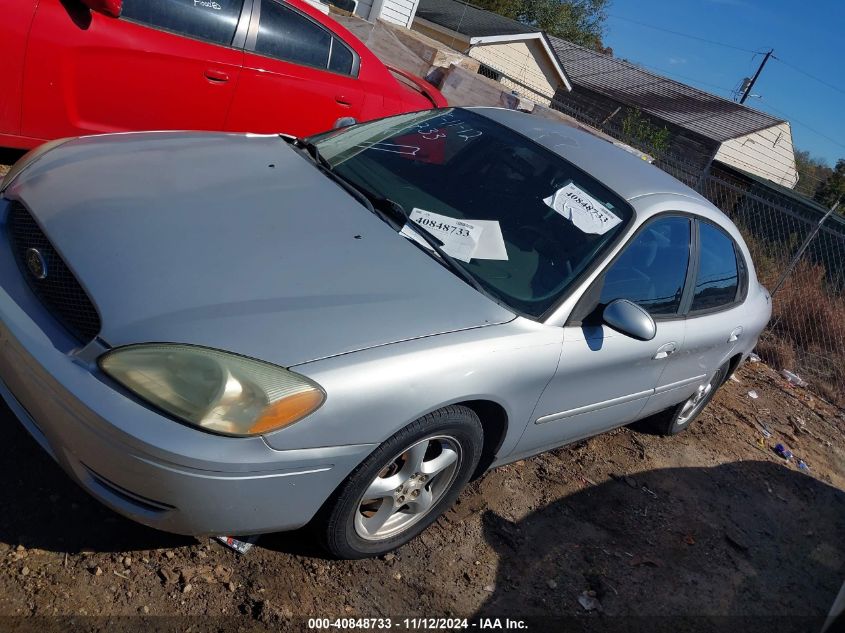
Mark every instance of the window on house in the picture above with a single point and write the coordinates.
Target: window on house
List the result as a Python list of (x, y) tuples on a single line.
[(490, 73)]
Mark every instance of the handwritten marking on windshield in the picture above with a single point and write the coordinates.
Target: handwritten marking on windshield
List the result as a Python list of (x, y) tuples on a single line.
[(393, 148)]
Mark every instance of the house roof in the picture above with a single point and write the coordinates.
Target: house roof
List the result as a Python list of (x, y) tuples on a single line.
[(706, 114), (479, 26), (468, 19)]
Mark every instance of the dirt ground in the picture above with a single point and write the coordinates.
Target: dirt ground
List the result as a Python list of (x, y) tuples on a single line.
[(707, 523)]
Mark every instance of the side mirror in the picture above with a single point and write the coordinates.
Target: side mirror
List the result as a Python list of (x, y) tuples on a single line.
[(108, 7), (344, 121), (628, 318)]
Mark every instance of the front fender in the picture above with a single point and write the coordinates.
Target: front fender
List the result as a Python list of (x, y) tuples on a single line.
[(373, 393)]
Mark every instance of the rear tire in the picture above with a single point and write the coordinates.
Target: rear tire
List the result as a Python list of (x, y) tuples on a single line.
[(678, 418), (404, 485)]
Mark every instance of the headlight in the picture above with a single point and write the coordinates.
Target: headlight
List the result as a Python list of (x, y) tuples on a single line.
[(213, 390), (27, 159)]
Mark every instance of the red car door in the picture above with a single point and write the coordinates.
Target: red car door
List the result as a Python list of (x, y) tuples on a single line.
[(164, 64), (298, 77)]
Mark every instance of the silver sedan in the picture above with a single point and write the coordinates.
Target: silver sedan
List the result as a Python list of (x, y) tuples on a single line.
[(236, 334)]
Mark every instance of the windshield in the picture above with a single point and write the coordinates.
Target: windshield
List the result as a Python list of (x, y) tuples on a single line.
[(520, 219)]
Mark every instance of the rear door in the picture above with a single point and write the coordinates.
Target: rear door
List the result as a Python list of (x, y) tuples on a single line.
[(298, 77), (716, 317), (164, 64)]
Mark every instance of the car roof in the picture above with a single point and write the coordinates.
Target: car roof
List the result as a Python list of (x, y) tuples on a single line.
[(630, 177)]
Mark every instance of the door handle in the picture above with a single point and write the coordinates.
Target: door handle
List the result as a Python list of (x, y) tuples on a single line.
[(216, 76), (342, 100), (665, 350), (735, 334)]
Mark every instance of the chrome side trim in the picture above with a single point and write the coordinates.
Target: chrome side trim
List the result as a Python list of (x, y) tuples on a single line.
[(252, 29), (239, 40), (679, 383), (595, 406)]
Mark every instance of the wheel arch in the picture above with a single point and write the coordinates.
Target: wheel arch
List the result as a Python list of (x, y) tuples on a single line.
[(494, 421)]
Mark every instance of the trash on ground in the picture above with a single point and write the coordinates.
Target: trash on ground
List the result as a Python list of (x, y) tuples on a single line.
[(765, 429), (649, 491), (753, 395), (689, 539), (241, 546), (735, 379), (753, 357), (802, 465), (798, 424), (761, 443), (588, 600), (782, 451), (793, 379)]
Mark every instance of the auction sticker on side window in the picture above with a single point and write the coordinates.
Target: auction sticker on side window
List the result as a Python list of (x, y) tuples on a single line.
[(584, 211), (459, 237)]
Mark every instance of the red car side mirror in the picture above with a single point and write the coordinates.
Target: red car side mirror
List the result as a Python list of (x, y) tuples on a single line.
[(108, 7)]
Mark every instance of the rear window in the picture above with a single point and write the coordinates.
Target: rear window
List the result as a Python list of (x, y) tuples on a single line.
[(717, 281), (211, 20), (289, 36)]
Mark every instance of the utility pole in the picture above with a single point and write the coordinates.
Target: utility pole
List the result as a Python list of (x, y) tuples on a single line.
[(750, 85)]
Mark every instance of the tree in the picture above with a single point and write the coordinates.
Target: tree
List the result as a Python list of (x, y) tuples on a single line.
[(833, 187), (579, 21), (812, 172)]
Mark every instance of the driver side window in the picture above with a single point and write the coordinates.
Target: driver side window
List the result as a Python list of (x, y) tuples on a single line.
[(652, 269)]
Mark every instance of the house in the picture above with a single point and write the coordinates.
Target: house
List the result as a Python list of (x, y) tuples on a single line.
[(399, 12), (512, 53), (605, 92), (702, 127)]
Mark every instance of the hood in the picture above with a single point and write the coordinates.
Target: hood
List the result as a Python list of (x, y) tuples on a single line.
[(236, 242)]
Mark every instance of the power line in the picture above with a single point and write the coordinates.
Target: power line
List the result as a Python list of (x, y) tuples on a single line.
[(688, 78), (802, 124), (806, 74), (693, 37)]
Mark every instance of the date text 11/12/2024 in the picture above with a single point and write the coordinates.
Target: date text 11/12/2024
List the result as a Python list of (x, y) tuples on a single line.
[(416, 624)]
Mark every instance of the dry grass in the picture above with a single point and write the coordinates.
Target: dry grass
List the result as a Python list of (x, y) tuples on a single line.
[(777, 353), (807, 330)]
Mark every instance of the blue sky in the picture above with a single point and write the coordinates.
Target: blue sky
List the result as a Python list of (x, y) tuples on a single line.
[(808, 35)]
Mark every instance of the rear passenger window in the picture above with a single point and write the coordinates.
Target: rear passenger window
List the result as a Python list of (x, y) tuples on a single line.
[(289, 36), (717, 281), (341, 61), (652, 269), (211, 20)]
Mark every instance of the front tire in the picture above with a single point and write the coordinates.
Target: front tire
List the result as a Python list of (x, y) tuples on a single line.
[(678, 418), (404, 485)]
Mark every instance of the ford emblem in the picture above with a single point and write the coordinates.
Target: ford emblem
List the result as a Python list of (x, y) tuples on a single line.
[(36, 263)]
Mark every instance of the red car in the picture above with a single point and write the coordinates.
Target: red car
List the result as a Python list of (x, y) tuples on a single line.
[(74, 67)]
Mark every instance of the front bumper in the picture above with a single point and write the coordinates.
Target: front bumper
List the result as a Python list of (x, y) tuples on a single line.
[(145, 466)]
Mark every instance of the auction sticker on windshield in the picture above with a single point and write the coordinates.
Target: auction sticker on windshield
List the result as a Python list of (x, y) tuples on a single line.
[(584, 211), (459, 237)]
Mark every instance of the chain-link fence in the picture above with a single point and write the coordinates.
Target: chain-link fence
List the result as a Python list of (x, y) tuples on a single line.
[(797, 249)]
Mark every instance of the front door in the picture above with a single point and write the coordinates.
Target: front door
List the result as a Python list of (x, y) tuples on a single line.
[(298, 77), (605, 379), (164, 64)]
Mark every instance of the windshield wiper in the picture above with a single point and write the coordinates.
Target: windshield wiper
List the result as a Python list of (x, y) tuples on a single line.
[(397, 211), (326, 167), (391, 211)]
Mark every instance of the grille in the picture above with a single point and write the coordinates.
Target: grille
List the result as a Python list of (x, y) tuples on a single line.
[(59, 290)]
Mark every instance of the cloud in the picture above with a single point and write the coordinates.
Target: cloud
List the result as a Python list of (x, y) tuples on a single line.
[(677, 61)]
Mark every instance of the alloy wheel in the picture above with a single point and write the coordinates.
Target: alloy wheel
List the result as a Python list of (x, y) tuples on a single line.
[(408, 487)]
